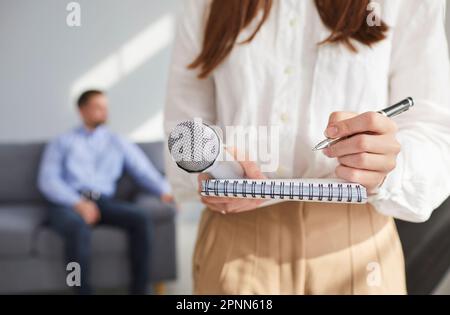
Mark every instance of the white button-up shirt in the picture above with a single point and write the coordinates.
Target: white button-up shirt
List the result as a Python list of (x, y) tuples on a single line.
[(284, 78)]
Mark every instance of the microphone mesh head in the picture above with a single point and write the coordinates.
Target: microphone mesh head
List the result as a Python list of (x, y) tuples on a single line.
[(194, 146)]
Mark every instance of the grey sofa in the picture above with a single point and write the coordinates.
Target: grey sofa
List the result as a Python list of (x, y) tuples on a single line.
[(427, 250), (31, 255)]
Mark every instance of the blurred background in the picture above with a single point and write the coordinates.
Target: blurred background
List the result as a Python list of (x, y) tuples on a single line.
[(123, 47)]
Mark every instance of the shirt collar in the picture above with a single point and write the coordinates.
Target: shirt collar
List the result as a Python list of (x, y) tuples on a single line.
[(99, 131)]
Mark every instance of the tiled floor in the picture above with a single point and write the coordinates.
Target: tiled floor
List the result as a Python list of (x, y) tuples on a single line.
[(187, 223)]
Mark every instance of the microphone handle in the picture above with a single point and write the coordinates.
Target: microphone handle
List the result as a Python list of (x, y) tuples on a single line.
[(228, 169)]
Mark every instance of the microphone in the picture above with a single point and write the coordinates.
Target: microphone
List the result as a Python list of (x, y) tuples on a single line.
[(195, 147)]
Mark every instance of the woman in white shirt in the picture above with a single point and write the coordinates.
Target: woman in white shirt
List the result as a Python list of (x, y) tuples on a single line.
[(309, 66)]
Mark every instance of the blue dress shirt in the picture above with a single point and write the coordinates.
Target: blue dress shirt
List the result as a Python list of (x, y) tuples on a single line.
[(93, 160)]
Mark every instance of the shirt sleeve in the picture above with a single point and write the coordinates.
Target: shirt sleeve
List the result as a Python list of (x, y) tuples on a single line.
[(142, 170), (420, 68), (188, 97), (50, 178)]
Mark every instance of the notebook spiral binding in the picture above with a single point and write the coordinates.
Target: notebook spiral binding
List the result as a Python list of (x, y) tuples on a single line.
[(291, 190)]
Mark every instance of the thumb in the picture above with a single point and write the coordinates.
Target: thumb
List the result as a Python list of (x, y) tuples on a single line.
[(252, 170), (338, 116)]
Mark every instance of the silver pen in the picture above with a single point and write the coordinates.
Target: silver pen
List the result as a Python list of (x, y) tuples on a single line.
[(390, 112)]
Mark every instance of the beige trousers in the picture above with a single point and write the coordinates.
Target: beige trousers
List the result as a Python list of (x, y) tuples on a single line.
[(299, 248)]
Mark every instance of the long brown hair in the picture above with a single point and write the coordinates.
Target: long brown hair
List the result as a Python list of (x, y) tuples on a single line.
[(227, 18)]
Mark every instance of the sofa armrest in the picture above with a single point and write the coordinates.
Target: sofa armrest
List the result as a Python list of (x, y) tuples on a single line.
[(427, 250), (159, 210)]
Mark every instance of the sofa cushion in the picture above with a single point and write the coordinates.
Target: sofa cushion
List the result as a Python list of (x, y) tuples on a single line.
[(106, 241), (18, 179), (19, 224)]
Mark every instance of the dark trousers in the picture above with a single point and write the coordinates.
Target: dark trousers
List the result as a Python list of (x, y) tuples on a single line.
[(76, 233)]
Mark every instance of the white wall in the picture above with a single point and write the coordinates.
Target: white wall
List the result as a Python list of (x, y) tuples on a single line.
[(123, 46)]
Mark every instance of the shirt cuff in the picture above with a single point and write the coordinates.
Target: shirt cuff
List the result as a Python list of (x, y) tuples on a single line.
[(165, 189)]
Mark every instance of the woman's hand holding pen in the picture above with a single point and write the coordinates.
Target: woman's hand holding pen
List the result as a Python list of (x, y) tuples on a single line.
[(370, 152)]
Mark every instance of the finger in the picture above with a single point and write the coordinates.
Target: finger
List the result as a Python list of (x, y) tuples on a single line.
[(89, 220), (229, 204), (339, 116), (369, 161), (216, 207), (377, 144), (246, 206), (252, 170), (233, 151), (93, 217), (224, 207), (99, 215), (239, 205), (366, 178), (218, 200), (367, 122)]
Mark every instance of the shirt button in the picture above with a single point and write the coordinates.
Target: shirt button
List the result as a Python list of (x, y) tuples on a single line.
[(281, 171), (288, 70), (292, 22), (284, 117)]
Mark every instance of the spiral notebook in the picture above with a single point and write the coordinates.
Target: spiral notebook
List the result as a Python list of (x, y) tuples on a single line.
[(309, 190)]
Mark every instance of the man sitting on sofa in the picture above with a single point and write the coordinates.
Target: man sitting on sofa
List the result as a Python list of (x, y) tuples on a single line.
[(78, 175)]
